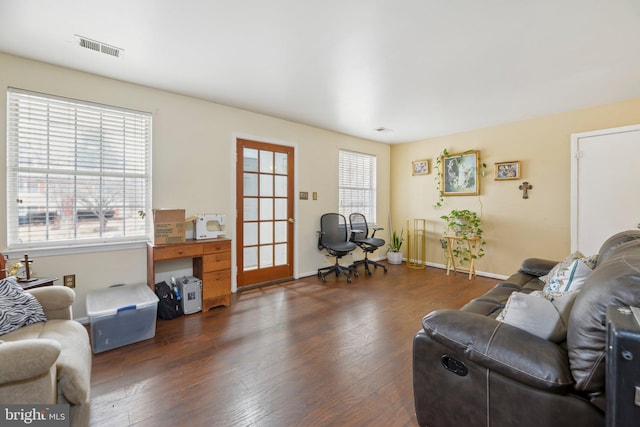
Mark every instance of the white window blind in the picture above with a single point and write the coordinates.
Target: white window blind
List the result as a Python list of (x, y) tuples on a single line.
[(357, 184), (78, 173)]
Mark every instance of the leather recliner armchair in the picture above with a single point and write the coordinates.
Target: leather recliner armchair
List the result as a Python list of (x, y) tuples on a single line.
[(470, 369)]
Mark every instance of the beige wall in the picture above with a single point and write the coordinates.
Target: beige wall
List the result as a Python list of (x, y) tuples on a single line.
[(193, 166), (515, 228)]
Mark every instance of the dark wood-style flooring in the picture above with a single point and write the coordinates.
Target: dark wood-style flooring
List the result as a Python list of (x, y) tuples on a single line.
[(302, 353)]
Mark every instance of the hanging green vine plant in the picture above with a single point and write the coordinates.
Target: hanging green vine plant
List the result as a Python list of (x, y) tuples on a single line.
[(438, 178)]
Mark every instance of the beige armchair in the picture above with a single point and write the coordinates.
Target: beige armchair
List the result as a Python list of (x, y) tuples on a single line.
[(48, 362)]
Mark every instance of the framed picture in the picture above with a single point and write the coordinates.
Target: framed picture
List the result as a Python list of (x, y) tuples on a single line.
[(506, 170), (420, 167), (459, 174)]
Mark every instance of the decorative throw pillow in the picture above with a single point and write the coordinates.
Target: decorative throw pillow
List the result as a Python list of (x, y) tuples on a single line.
[(18, 308), (569, 275), (541, 315), (562, 264)]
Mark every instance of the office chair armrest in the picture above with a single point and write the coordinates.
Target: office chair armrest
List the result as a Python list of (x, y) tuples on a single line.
[(375, 228), (355, 231), (320, 234)]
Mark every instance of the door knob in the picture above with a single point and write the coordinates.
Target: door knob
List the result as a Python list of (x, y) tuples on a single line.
[(291, 220)]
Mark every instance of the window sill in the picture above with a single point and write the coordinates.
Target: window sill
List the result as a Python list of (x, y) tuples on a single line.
[(72, 250)]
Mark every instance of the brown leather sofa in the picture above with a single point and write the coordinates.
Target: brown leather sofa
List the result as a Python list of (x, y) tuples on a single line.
[(469, 369)]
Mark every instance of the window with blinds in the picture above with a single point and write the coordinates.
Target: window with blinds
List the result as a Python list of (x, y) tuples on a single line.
[(78, 173), (357, 184)]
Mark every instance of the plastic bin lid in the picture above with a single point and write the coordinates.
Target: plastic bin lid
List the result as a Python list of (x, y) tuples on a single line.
[(118, 298)]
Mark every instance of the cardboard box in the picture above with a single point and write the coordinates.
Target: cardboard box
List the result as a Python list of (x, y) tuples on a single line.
[(168, 226)]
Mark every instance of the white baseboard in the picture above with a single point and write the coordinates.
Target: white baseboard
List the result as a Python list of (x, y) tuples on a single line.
[(479, 273), (429, 264)]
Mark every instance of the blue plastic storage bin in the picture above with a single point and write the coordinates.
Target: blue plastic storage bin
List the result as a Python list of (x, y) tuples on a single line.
[(121, 315)]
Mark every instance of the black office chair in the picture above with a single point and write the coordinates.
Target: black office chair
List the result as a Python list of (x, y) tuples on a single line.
[(334, 238), (360, 236)]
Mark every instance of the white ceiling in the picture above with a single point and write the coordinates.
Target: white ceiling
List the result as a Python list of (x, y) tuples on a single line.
[(421, 68)]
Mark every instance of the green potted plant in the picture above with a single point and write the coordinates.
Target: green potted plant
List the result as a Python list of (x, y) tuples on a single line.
[(465, 224), (394, 254)]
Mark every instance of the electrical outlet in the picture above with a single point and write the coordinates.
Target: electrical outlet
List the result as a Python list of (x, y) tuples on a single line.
[(70, 281)]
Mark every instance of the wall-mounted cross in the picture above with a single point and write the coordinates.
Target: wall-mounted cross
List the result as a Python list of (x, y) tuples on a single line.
[(525, 187)]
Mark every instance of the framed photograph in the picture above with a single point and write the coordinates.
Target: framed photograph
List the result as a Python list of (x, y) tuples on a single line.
[(506, 170), (459, 174), (420, 167)]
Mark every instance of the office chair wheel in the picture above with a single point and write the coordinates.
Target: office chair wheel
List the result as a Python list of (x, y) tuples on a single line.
[(348, 279), (324, 280), (355, 273)]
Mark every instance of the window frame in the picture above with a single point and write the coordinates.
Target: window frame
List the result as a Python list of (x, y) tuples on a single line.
[(18, 101), (357, 163)]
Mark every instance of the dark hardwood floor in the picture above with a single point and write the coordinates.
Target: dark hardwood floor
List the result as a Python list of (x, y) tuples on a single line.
[(302, 353)]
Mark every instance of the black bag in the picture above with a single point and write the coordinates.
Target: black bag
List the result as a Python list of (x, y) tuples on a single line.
[(168, 307)]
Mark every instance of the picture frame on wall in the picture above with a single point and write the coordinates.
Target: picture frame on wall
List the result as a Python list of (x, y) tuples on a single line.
[(503, 171), (420, 167), (459, 174)]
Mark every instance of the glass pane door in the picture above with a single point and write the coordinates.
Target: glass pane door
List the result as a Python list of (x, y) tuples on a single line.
[(265, 212)]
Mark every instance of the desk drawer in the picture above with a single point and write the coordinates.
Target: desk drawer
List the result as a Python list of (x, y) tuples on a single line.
[(216, 284), (177, 251), (216, 262), (217, 246)]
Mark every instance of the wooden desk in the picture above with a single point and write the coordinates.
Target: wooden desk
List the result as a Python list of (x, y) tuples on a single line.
[(211, 264), (472, 246)]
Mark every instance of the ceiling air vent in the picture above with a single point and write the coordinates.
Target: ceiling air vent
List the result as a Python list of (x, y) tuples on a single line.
[(383, 129), (99, 46)]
